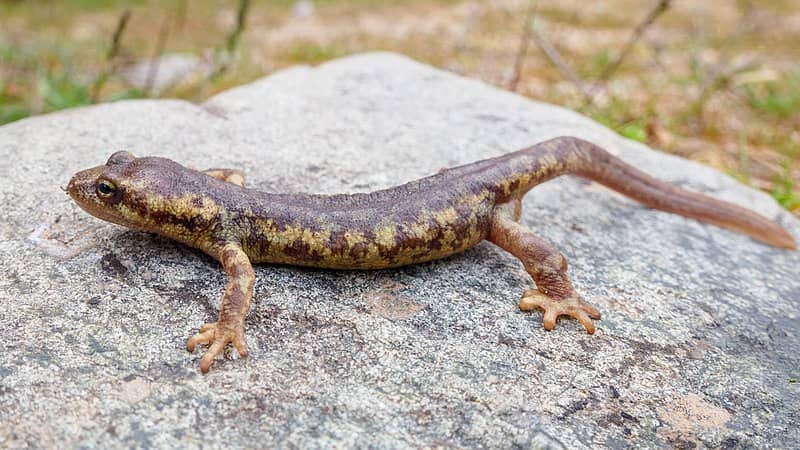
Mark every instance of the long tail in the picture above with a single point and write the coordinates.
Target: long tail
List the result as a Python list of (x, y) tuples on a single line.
[(584, 159)]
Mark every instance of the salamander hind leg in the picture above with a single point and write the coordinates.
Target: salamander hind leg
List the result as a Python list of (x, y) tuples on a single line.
[(229, 328), (232, 176), (554, 293)]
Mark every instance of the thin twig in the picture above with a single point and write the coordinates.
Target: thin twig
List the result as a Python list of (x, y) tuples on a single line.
[(111, 56), (721, 74), (719, 79), (221, 58), (116, 38), (155, 61), (661, 7), (241, 23), (555, 58), (637, 34), (180, 14), (656, 54), (531, 32), (522, 49)]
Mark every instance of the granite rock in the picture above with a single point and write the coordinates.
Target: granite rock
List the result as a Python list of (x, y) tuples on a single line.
[(699, 343)]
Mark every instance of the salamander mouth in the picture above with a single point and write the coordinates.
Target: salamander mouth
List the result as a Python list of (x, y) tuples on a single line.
[(82, 189)]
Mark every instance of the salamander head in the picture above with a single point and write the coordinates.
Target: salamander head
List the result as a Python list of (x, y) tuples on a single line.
[(150, 194)]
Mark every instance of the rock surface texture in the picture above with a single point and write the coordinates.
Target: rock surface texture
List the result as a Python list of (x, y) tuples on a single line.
[(699, 344)]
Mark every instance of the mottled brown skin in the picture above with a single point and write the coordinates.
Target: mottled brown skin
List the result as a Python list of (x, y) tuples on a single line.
[(427, 219)]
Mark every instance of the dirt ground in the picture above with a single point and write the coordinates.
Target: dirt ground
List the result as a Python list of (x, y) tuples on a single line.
[(715, 81)]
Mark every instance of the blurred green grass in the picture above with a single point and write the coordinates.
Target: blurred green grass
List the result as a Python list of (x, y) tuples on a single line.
[(312, 53), (781, 99)]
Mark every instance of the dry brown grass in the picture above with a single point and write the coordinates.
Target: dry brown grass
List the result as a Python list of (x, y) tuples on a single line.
[(714, 81)]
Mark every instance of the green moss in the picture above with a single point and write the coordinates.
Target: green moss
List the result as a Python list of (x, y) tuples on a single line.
[(785, 191), (614, 117), (634, 130), (10, 113), (62, 90), (128, 94), (780, 99), (312, 53)]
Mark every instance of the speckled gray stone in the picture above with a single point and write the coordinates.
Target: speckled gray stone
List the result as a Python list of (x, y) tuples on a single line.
[(699, 343)]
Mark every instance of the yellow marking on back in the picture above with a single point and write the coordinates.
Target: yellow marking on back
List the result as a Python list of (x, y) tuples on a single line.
[(386, 235), (446, 216), (382, 246)]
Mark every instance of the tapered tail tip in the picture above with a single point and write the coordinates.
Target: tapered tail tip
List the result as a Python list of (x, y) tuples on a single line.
[(782, 239), (762, 229), (790, 243)]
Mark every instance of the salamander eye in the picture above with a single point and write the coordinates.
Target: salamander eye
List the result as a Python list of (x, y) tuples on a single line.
[(106, 188)]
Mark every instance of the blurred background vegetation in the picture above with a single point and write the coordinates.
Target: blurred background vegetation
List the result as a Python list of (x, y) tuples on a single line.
[(716, 81)]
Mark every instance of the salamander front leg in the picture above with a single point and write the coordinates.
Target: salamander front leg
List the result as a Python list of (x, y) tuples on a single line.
[(554, 292), (229, 328), (232, 176)]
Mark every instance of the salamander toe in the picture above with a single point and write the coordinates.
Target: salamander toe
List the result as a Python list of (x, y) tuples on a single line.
[(217, 338), (573, 306)]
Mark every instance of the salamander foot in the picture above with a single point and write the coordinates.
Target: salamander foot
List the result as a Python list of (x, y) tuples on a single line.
[(572, 306), (217, 337)]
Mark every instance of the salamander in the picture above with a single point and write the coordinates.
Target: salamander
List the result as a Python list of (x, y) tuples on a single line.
[(423, 220)]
